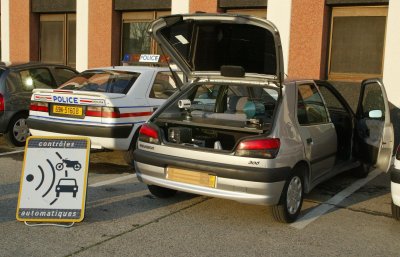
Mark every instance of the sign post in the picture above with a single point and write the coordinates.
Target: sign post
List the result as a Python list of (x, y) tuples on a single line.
[(54, 179)]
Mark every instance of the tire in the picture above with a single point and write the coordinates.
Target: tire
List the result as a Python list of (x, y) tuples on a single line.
[(161, 192), (289, 206), (59, 166), (361, 171), (395, 211), (77, 166), (17, 131)]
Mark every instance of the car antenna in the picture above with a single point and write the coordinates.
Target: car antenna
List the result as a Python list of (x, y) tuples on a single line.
[(175, 77)]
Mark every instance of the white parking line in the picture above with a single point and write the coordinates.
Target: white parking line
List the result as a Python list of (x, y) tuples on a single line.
[(114, 180), (331, 203), (9, 153)]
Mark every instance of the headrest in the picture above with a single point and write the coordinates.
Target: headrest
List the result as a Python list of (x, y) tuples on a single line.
[(242, 104)]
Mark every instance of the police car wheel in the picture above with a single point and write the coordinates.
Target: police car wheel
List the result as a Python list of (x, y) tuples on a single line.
[(161, 192)]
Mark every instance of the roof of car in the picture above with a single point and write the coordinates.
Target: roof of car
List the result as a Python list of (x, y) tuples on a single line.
[(21, 65), (133, 68)]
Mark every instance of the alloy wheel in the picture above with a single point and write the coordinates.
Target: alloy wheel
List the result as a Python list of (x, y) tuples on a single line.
[(21, 130), (294, 194)]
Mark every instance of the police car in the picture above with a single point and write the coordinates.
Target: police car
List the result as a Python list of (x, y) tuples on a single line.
[(395, 185), (106, 104)]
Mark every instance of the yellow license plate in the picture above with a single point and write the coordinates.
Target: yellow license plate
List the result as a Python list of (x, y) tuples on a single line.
[(68, 110), (191, 177)]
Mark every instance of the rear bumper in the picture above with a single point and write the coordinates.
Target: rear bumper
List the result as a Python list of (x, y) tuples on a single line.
[(232, 189), (219, 169), (120, 131), (101, 137), (395, 186), (242, 184)]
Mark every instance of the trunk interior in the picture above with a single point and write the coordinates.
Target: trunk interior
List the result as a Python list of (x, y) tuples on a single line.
[(207, 133), (217, 116)]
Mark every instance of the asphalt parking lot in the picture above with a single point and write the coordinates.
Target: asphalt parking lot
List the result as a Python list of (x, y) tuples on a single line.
[(343, 216)]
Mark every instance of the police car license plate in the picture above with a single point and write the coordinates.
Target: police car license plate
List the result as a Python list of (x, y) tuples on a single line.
[(191, 177), (66, 110)]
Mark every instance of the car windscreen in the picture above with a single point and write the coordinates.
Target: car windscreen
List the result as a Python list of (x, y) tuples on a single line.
[(67, 182), (102, 81)]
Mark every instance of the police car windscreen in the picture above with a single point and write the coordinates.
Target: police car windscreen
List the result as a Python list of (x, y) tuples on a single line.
[(102, 81)]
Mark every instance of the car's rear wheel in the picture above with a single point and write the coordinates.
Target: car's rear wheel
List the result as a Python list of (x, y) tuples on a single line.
[(161, 192), (291, 199), (395, 211), (17, 131)]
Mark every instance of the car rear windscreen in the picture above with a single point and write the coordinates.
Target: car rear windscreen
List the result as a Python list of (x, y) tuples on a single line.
[(102, 81)]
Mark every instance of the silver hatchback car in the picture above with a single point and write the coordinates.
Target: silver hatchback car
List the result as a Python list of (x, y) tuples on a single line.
[(238, 131)]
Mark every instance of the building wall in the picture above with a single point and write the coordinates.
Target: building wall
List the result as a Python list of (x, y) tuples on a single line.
[(203, 6), (392, 54), (279, 12), (104, 34), (5, 30), (82, 35), (308, 39), (23, 32)]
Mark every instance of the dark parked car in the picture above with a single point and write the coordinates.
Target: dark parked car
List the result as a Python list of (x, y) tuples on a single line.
[(16, 84)]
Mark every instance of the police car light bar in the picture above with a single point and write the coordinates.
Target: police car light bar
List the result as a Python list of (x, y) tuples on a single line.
[(139, 59)]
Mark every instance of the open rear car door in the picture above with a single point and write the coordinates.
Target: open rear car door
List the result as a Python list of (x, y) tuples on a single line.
[(374, 129)]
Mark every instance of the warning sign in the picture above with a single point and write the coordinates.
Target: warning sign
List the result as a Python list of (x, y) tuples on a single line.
[(54, 179)]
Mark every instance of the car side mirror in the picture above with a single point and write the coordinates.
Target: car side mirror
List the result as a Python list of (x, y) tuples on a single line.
[(375, 114)]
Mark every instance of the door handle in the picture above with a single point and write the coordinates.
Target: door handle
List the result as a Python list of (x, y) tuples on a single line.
[(309, 140)]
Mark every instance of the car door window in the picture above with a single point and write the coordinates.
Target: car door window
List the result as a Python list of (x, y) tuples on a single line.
[(310, 107), (332, 102), (163, 86), (373, 101)]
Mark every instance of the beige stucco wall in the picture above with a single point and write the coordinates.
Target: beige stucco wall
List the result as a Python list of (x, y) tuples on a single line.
[(308, 39)]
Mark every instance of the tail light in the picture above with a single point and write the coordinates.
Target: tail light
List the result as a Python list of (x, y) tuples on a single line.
[(104, 112), (39, 106), (398, 153), (148, 134), (259, 148), (1, 103)]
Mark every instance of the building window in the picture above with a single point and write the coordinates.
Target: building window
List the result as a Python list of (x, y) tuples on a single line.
[(357, 43), (58, 39), (135, 39), (261, 13)]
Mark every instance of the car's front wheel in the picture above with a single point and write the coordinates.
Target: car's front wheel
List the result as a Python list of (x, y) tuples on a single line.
[(17, 131), (395, 211), (291, 200), (161, 192)]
